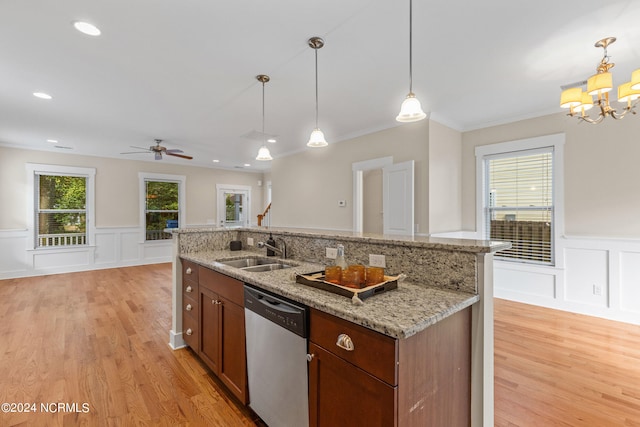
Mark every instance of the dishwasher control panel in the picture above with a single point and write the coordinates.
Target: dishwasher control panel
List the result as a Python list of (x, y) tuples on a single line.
[(281, 311)]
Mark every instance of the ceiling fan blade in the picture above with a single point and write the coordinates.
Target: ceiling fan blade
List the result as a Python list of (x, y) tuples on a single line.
[(135, 152), (173, 150), (158, 156), (139, 148), (178, 155)]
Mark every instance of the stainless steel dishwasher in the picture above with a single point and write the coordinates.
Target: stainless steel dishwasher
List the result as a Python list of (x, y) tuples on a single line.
[(276, 334)]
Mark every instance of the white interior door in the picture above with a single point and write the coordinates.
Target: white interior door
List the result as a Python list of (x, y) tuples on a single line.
[(397, 198), (234, 208)]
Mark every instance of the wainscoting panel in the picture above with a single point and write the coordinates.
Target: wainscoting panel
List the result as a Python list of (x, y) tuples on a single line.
[(538, 284), (113, 247), (586, 276), (630, 282)]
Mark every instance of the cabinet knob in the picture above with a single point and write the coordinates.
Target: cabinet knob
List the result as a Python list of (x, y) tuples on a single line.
[(189, 331), (345, 343), (188, 307), (310, 357), (216, 302), (189, 270), (189, 289)]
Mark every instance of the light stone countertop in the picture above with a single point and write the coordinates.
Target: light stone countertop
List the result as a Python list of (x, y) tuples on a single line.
[(397, 313)]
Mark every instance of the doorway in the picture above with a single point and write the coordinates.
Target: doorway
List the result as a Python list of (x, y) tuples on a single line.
[(234, 205)]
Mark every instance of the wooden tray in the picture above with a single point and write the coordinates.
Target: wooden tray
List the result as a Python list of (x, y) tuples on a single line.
[(316, 280)]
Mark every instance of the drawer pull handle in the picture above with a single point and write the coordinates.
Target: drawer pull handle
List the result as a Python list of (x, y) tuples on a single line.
[(189, 270), (189, 289), (344, 342), (189, 331), (189, 307), (216, 302)]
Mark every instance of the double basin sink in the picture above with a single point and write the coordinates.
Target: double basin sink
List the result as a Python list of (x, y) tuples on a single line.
[(256, 264)]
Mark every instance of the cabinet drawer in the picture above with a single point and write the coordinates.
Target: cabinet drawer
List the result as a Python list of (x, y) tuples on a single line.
[(225, 286), (190, 332), (371, 351), (189, 270), (190, 306), (190, 289)]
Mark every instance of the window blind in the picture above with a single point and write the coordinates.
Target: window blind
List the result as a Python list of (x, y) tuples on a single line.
[(519, 204)]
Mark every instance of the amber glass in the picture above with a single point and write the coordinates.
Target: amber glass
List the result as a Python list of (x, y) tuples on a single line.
[(374, 275), (333, 274), (361, 273), (351, 277)]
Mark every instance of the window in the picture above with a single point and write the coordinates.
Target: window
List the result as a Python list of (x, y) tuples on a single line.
[(519, 198), (162, 204), (62, 209), (234, 209)]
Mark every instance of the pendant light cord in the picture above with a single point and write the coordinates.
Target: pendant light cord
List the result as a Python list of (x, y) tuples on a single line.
[(316, 50), (410, 46), (263, 135)]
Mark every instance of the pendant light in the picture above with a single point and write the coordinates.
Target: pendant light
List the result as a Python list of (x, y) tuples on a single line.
[(263, 152), (316, 140), (411, 110)]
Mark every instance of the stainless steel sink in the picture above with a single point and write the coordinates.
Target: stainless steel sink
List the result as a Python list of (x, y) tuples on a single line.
[(266, 267), (256, 264)]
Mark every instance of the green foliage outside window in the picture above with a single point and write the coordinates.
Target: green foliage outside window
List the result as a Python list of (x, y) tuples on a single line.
[(161, 206)]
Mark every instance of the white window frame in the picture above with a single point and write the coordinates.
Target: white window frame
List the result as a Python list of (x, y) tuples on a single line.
[(221, 189), (556, 141), (44, 169), (181, 180)]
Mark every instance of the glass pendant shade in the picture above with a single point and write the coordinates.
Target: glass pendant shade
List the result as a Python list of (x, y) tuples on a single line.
[(571, 97), (264, 154), (635, 80), (410, 110), (599, 83), (316, 140)]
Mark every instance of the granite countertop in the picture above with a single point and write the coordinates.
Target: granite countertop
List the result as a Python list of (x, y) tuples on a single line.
[(398, 313)]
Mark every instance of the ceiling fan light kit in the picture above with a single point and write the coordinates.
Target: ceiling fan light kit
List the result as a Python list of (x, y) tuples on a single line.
[(158, 150), (597, 93)]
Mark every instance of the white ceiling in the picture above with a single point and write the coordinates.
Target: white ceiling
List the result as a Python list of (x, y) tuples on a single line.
[(184, 70)]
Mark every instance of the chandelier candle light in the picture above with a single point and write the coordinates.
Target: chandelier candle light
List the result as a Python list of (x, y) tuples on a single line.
[(263, 152), (598, 87), (316, 140)]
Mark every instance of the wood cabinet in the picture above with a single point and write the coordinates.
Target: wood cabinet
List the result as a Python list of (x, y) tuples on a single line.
[(359, 377), (190, 306), (213, 324), (222, 331)]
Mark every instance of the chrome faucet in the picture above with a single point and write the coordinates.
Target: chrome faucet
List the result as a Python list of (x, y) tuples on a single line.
[(282, 250)]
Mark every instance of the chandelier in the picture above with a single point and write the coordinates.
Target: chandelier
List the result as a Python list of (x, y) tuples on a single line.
[(597, 94)]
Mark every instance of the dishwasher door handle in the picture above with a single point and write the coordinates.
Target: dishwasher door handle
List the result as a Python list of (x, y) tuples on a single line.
[(275, 305)]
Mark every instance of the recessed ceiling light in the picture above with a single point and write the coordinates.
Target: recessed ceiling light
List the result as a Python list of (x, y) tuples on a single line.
[(271, 140), (216, 161), (86, 28), (53, 141), (42, 95), (246, 165)]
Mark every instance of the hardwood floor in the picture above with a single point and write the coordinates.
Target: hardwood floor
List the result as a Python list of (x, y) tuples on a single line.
[(554, 368), (100, 338)]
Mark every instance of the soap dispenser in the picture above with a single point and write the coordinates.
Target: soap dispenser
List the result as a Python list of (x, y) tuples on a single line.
[(271, 242)]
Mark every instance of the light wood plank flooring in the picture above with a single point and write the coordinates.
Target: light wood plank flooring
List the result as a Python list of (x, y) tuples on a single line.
[(554, 368), (101, 337)]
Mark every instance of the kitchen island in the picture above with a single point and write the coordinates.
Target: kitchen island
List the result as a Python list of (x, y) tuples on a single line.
[(445, 277)]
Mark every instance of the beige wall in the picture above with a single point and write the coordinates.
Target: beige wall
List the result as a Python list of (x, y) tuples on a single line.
[(445, 176), (601, 172), (307, 186), (117, 198)]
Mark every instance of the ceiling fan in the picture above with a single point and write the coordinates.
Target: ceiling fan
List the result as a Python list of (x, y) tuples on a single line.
[(158, 150)]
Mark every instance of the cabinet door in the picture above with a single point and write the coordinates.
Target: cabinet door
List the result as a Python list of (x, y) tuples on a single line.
[(210, 328), (342, 394), (233, 362)]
